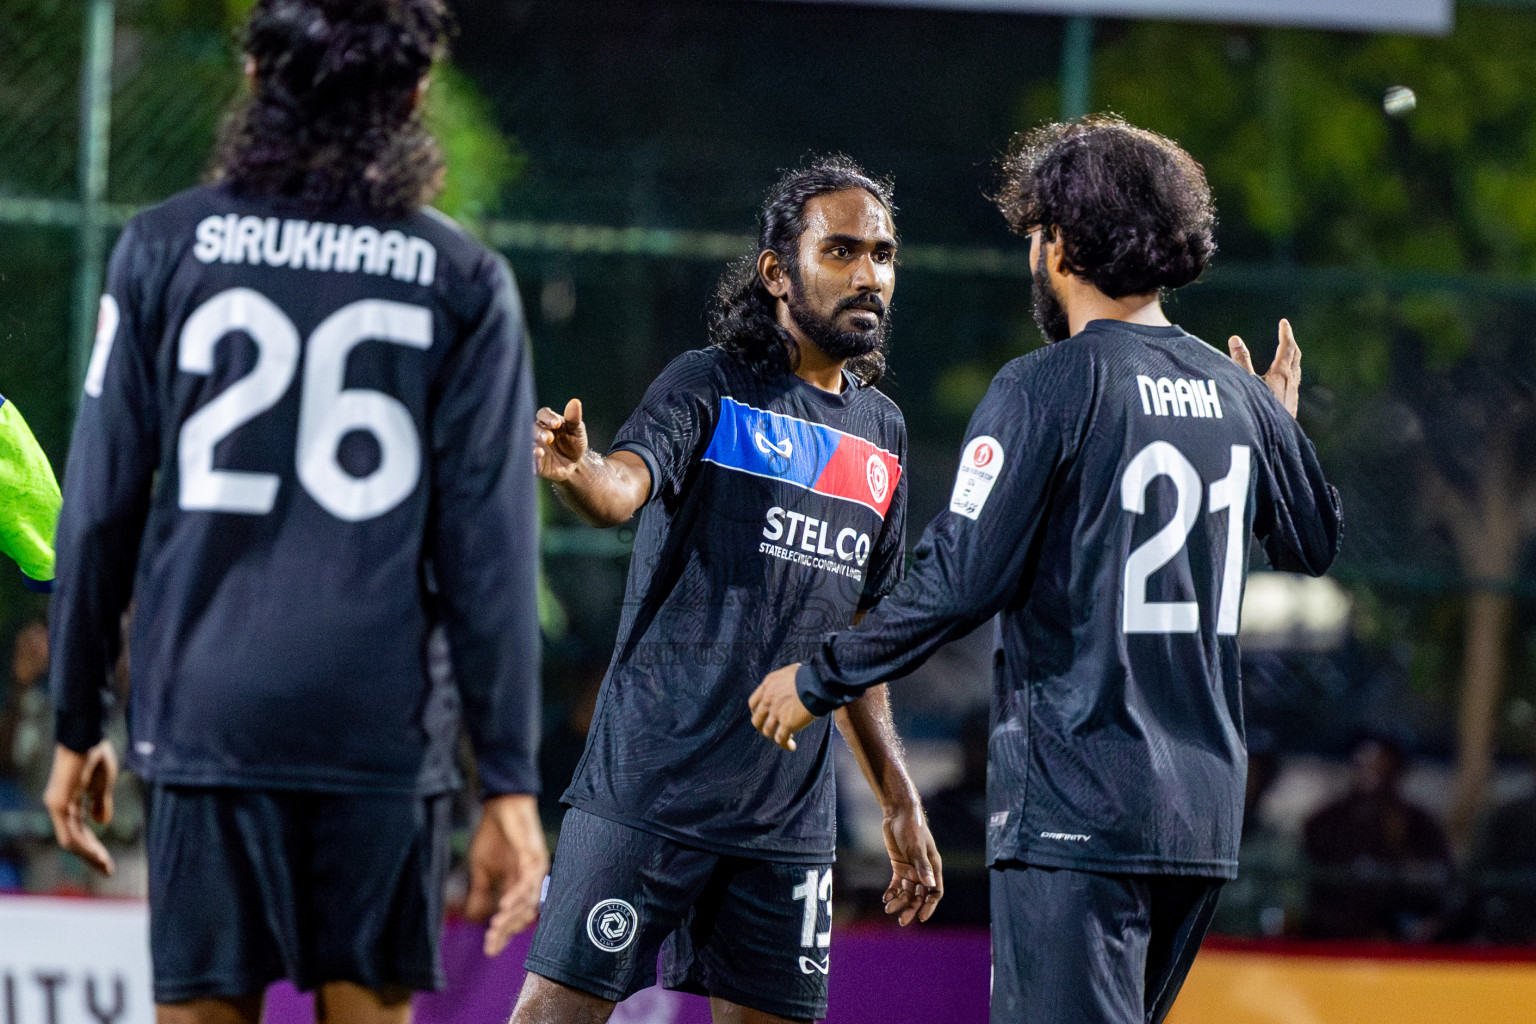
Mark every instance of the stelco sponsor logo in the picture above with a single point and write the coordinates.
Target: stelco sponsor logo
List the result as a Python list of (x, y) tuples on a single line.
[(794, 536)]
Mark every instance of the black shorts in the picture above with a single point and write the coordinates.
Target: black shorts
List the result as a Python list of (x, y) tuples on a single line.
[(1077, 947), (250, 886), (754, 932)]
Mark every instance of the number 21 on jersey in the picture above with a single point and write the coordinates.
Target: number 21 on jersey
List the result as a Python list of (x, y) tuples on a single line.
[(327, 410), (1229, 494)]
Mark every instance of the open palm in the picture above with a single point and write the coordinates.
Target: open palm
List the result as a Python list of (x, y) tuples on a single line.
[(1283, 377)]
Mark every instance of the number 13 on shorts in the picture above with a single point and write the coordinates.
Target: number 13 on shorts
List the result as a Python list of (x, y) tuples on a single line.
[(816, 892)]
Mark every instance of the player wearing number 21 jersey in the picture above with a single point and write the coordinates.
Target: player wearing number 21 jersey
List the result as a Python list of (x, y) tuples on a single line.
[(1107, 490)]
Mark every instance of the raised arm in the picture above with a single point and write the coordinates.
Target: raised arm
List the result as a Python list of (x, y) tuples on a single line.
[(1297, 514), (917, 872), (604, 491), (1283, 378), (971, 559)]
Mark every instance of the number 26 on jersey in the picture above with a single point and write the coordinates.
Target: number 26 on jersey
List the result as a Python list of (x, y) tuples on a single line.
[(327, 410)]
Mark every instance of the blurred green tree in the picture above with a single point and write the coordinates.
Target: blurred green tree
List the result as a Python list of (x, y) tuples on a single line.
[(1431, 381)]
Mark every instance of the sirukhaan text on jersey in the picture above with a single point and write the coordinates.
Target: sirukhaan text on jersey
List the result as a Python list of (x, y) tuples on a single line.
[(314, 245)]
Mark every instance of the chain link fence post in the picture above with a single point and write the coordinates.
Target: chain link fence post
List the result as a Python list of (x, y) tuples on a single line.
[(95, 128)]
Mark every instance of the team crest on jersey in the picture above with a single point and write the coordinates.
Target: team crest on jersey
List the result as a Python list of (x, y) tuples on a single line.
[(879, 479), (612, 925), (980, 467)]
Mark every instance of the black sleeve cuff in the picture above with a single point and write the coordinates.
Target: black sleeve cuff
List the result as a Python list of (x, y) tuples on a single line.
[(646, 457), (37, 586), (867, 602), (507, 777), (78, 732), (819, 698)]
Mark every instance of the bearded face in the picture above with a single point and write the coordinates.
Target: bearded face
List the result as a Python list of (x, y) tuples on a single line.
[(1050, 315), (845, 339)]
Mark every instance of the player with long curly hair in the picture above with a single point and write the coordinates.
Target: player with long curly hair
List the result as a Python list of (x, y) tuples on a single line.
[(769, 476), (302, 454), (1106, 494)]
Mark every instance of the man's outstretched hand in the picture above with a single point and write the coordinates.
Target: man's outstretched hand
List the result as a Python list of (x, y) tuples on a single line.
[(1284, 374), (605, 491), (559, 441), (917, 872), (776, 709), (508, 857), (77, 785)]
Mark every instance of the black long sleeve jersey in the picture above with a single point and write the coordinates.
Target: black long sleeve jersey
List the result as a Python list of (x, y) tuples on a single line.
[(777, 511), (304, 444), (1105, 496)]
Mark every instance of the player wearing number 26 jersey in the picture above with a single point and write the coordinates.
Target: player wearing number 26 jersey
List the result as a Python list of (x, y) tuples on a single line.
[(1107, 490), (303, 447), (287, 424)]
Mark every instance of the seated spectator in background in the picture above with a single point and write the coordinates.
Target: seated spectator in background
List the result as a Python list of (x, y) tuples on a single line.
[(1506, 873), (26, 721), (1381, 866), (26, 748), (1266, 897), (26, 751), (957, 818), (26, 745)]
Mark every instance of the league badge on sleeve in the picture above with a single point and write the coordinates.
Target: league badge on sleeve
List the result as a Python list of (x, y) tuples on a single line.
[(980, 466)]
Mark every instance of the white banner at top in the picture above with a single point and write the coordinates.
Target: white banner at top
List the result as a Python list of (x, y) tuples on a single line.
[(1417, 16)]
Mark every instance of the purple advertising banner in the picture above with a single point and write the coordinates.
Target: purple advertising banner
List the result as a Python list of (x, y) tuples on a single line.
[(879, 976)]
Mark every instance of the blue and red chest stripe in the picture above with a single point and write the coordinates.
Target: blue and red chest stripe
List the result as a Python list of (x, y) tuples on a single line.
[(814, 456)]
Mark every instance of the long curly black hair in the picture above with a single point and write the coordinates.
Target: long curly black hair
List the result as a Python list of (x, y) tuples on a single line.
[(1133, 209), (743, 317), (333, 119)]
